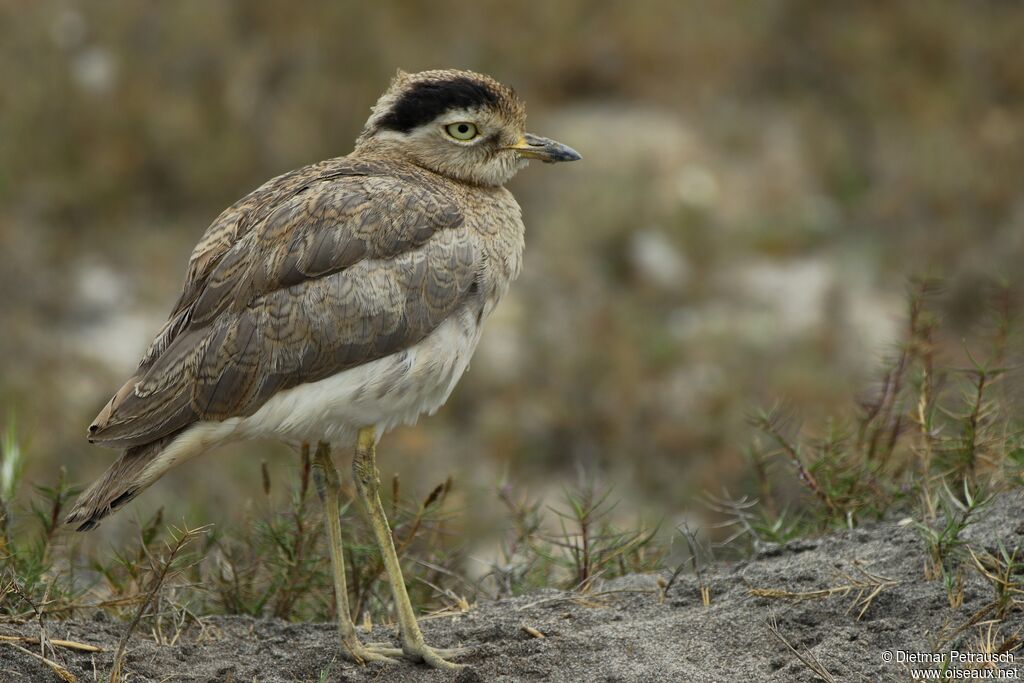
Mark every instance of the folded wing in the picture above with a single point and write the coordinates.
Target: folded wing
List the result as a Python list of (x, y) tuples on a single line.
[(319, 275)]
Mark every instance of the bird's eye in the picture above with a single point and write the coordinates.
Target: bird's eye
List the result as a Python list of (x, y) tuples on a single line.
[(462, 130)]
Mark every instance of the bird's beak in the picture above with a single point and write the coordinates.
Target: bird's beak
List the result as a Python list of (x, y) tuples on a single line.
[(535, 147)]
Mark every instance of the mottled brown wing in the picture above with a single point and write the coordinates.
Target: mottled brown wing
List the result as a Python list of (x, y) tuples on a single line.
[(235, 222), (345, 270)]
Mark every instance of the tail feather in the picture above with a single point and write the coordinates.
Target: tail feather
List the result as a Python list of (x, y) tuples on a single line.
[(118, 485)]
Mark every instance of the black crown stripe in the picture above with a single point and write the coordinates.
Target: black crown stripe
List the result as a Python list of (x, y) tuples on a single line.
[(425, 101)]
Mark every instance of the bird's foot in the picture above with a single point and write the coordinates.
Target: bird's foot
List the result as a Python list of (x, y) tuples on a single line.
[(435, 658), (432, 657), (384, 649), (362, 654)]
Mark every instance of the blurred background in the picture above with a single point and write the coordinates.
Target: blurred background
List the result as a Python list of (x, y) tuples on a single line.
[(760, 181)]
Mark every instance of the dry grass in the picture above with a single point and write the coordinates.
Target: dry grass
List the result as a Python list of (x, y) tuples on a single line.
[(862, 587), (807, 658)]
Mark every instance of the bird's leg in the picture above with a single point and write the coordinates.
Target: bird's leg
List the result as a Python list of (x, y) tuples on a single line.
[(367, 480), (328, 486)]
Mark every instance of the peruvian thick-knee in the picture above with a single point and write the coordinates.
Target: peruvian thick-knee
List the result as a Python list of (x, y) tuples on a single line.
[(335, 302)]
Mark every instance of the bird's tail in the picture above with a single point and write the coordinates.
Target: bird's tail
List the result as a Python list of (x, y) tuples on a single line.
[(119, 484)]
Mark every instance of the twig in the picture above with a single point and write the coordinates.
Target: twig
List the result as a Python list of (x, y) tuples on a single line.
[(809, 660), (590, 600), (57, 668), (70, 644), (867, 587), (184, 538)]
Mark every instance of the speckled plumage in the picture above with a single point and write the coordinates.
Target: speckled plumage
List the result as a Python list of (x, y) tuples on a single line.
[(345, 294)]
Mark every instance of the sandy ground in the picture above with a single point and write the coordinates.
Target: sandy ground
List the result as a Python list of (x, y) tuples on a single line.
[(628, 634)]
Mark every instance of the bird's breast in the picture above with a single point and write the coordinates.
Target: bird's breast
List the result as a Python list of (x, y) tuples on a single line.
[(495, 221)]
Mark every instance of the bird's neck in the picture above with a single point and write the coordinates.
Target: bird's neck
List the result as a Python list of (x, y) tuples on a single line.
[(382, 145)]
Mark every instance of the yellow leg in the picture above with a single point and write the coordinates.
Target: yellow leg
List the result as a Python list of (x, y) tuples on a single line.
[(367, 481), (328, 486)]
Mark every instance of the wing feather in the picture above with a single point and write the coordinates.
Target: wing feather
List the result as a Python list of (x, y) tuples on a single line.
[(320, 275)]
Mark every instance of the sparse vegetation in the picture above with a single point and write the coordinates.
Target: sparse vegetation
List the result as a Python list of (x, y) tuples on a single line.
[(276, 566), (937, 444), (854, 470)]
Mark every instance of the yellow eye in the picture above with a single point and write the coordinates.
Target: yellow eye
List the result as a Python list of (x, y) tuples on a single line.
[(461, 130)]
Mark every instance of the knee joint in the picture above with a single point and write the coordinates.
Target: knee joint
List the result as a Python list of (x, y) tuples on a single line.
[(364, 469)]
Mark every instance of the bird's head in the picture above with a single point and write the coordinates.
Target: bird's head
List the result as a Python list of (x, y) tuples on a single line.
[(460, 124)]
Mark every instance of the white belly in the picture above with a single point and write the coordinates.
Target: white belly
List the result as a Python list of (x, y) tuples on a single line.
[(384, 393)]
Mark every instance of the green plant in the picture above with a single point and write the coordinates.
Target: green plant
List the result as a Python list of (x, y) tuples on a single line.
[(27, 546), (946, 550), (160, 568), (589, 545), (276, 562)]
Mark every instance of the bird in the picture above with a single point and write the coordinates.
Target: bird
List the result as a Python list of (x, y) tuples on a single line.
[(333, 303)]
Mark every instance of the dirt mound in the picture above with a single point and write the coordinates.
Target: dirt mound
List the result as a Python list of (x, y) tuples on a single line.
[(624, 633)]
